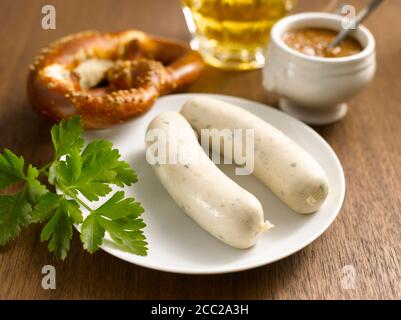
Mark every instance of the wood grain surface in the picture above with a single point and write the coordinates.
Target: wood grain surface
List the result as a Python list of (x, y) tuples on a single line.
[(366, 234)]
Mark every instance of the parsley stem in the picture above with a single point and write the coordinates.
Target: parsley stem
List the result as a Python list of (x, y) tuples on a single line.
[(73, 196), (44, 168), (83, 204)]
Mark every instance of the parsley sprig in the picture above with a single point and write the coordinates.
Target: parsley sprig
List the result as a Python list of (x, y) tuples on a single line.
[(81, 175)]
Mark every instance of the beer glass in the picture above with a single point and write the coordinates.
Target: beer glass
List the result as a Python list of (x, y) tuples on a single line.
[(232, 34)]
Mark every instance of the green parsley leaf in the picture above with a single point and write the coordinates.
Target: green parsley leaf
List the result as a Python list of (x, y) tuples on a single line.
[(58, 231), (66, 136), (92, 172), (49, 203), (98, 160), (68, 171), (35, 188), (128, 240), (46, 207), (14, 212), (117, 207), (62, 213), (11, 168), (72, 207), (92, 233), (52, 174), (68, 175), (119, 217), (125, 175), (93, 190), (102, 163)]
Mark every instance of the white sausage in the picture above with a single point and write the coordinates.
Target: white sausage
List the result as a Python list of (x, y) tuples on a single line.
[(207, 195), (282, 165)]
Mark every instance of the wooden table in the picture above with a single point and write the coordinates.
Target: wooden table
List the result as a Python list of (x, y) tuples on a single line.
[(366, 234)]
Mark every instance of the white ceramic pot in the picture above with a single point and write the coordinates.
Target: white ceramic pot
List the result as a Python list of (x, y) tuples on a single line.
[(314, 89)]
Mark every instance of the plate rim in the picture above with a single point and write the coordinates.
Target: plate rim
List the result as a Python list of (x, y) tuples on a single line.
[(122, 254)]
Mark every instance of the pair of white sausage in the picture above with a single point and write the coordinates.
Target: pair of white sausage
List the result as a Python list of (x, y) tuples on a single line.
[(217, 203), (207, 195)]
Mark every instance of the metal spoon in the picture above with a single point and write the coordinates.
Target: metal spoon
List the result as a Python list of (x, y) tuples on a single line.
[(363, 14)]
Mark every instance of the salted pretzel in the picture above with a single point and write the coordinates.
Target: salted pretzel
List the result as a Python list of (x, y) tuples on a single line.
[(108, 78)]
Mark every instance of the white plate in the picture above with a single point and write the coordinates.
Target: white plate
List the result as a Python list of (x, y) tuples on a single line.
[(177, 244)]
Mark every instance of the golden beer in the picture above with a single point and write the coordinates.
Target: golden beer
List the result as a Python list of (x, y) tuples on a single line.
[(232, 33)]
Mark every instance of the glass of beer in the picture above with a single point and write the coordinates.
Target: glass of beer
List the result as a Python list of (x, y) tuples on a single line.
[(232, 34)]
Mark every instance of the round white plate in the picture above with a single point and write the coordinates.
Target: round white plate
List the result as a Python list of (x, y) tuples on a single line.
[(178, 244)]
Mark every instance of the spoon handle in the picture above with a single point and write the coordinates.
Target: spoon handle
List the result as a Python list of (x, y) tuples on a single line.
[(364, 13)]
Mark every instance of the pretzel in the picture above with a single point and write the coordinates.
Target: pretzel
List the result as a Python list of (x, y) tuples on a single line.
[(108, 78)]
